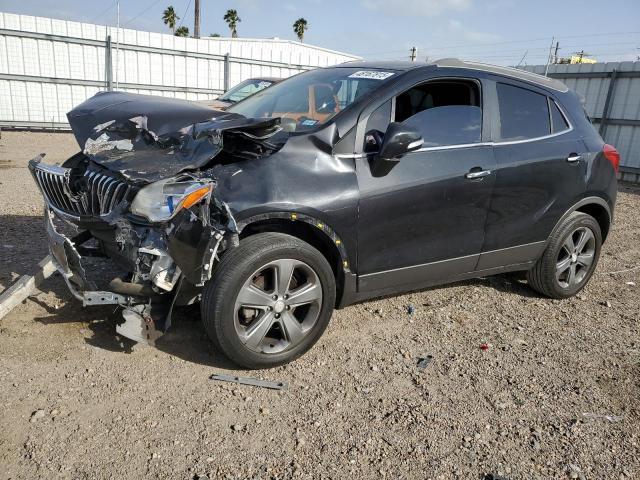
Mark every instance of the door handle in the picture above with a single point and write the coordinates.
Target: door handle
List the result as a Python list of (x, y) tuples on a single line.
[(478, 174), (574, 157)]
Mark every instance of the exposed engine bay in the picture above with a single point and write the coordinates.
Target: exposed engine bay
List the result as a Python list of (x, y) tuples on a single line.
[(142, 196)]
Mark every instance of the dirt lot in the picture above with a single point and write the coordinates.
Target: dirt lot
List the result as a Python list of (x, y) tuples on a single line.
[(80, 402)]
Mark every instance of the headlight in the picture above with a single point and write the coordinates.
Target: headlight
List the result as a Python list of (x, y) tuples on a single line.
[(162, 200)]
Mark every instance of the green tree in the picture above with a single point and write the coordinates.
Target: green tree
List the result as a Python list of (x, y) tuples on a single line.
[(170, 18), (215, 35), (232, 19), (182, 31), (300, 26)]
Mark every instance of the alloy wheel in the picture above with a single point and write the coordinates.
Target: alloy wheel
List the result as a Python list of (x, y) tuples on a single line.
[(277, 306), (576, 257)]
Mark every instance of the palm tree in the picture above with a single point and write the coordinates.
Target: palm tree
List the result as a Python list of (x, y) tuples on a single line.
[(232, 19), (182, 32), (300, 26), (170, 18)]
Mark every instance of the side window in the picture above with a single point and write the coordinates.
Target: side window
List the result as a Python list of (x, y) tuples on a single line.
[(558, 122), (523, 114), (445, 113), (448, 125)]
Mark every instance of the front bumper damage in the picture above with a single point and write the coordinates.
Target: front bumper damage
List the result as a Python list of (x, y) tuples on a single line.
[(129, 142), (157, 266)]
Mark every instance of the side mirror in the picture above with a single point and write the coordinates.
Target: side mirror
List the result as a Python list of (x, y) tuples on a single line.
[(399, 140)]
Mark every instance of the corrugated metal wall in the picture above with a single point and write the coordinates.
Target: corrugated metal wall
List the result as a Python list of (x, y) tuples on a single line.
[(47, 66), (617, 118)]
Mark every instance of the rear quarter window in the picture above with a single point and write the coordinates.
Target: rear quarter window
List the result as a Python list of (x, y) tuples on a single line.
[(524, 114), (558, 122)]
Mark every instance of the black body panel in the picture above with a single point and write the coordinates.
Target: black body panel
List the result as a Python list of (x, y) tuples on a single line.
[(422, 221)]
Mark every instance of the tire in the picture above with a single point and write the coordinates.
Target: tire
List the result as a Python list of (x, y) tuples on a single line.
[(562, 271), (238, 303)]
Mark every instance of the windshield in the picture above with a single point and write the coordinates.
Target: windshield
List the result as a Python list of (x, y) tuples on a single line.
[(312, 98), (245, 89)]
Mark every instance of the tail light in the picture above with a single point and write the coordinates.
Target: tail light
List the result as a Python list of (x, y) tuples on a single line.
[(612, 155)]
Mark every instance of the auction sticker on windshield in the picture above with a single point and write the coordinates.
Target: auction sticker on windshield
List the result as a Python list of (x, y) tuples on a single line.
[(371, 74)]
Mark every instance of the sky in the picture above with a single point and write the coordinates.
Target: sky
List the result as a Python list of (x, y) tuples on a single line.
[(507, 32)]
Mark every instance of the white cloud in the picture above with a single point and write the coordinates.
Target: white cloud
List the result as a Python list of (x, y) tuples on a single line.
[(423, 8)]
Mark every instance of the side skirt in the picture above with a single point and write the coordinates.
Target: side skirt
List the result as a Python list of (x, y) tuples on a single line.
[(403, 280)]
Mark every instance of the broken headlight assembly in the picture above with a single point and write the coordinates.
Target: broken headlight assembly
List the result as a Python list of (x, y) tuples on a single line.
[(161, 201)]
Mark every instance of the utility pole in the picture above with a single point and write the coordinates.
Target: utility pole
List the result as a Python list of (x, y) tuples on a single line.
[(196, 20), (546, 70), (522, 59), (555, 54), (414, 54)]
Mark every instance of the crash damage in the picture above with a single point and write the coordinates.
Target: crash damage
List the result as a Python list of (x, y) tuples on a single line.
[(142, 196)]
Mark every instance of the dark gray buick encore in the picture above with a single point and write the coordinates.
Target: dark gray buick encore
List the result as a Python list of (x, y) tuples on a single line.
[(332, 187)]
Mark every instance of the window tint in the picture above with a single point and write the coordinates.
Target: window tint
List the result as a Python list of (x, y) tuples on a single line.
[(435, 94), (558, 122), (445, 113), (523, 113), (448, 125)]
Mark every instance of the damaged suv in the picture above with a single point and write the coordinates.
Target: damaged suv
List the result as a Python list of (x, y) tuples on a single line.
[(329, 188)]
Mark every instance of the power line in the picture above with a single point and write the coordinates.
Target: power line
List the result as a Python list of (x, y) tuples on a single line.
[(184, 15), (97, 17), (141, 13), (509, 42), (533, 51)]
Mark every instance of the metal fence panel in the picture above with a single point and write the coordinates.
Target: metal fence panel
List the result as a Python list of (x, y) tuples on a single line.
[(47, 65), (620, 122)]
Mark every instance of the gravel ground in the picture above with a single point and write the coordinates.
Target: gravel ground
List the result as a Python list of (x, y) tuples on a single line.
[(80, 402)]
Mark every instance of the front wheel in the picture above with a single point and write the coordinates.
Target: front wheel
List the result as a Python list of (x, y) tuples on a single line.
[(269, 300), (570, 258)]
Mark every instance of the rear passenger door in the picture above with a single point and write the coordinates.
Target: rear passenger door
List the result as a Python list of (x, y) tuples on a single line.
[(538, 173)]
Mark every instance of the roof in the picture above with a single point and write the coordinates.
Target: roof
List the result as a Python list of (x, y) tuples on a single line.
[(505, 71), (456, 63)]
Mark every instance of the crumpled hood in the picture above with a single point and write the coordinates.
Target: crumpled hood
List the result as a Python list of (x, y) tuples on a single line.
[(147, 138)]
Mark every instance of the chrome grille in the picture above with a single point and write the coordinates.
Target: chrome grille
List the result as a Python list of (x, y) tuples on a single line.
[(102, 193)]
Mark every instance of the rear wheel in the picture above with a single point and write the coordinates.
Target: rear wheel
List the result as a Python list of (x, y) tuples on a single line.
[(570, 258), (269, 300)]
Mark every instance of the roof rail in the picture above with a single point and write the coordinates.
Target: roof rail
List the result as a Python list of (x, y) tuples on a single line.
[(505, 71)]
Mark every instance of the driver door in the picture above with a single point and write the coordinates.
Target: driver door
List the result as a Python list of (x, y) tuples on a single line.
[(422, 217)]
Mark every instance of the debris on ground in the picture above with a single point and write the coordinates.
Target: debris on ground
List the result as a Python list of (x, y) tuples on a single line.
[(610, 418), (411, 309), (494, 476), (484, 346), (254, 382), (37, 415), (423, 362)]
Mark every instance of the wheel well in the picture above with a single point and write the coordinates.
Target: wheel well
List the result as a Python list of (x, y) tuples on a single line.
[(600, 214), (307, 233)]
